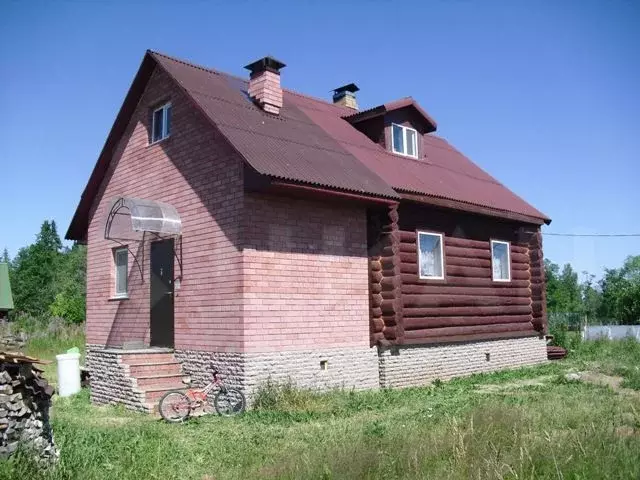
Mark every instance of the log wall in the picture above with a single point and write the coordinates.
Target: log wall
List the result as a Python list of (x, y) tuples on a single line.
[(467, 304)]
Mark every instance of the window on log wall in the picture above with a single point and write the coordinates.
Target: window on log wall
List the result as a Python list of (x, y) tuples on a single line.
[(500, 261), (430, 255)]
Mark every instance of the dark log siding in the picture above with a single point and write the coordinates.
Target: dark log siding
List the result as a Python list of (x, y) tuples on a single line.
[(467, 304)]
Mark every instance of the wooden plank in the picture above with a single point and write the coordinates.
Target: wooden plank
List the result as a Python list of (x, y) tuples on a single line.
[(452, 280)]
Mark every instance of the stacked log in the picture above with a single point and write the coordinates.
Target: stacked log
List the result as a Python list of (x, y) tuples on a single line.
[(468, 304), (24, 408), (385, 282), (538, 295)]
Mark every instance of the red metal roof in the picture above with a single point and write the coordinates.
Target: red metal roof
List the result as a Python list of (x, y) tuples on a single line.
[(390, 107), (313, 141)]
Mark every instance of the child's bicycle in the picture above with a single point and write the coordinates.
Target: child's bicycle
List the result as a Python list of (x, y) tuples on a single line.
[(177, 406)]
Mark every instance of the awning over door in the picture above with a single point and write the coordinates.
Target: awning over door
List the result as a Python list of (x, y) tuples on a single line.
[(129, 217)]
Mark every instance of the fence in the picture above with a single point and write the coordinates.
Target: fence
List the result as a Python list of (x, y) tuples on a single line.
[(611, 332)]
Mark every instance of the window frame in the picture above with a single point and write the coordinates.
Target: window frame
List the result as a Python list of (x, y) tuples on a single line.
[(116, 252), (508, 244), (165, 134), (404, 139), (442, 257)]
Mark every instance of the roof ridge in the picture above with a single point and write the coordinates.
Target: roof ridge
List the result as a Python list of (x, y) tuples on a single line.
[(219, 72)]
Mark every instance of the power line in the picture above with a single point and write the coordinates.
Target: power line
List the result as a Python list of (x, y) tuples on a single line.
[(592, 234)]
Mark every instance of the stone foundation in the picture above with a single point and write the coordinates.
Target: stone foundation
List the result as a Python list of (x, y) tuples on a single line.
[(111, 383), (420, 365), (322, 369)]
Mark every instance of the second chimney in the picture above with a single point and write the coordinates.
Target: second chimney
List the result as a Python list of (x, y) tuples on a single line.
[(264, 84), (346, 96)]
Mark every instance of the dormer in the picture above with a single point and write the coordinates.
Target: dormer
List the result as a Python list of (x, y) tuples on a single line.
[(397, 126)]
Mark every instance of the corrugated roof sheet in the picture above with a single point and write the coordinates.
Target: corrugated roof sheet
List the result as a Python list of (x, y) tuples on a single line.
[(6, 298), (311, 141)]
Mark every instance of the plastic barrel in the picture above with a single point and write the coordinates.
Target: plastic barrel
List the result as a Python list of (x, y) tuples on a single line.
[(68, 374)]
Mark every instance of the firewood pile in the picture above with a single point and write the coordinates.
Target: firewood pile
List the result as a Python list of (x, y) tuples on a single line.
[(25, 397)]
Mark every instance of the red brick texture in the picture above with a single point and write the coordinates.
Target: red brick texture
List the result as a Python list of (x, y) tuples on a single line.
[(196, 171), (305, 275)]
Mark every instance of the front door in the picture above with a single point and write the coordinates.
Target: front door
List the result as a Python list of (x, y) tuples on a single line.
[(162, 293)]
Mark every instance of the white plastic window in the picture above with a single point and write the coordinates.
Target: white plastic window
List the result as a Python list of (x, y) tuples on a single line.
[(121, 261), (404, 140), (500, 261), (161, 123), (430, 255)]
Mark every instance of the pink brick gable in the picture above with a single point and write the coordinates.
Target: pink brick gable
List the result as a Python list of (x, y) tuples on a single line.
[(305, 275), (197, 172)]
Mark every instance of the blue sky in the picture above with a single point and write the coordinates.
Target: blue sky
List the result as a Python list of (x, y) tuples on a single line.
[(544, 95)]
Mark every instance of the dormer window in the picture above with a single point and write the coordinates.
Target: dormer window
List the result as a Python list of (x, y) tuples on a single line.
[(404, 140), (161, 123)]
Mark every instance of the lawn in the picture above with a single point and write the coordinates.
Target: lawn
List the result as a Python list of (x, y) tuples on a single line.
[(526, 423)]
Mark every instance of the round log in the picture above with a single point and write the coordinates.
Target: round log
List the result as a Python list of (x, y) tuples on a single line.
[(377, 324), (469, 262), (519, 257), (389, 333), (468, 330), (408, 247), (464, 311), (466, 338), (375, 277), (375, 300), (406, 236), (415, 323), (419, 301), (375, 265), (466, 243), (389, 306), (376, 312), (467, 252), (447, 289), (375, 288), (412, 279)]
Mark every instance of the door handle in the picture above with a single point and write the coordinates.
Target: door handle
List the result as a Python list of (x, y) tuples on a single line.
[(168, 293)]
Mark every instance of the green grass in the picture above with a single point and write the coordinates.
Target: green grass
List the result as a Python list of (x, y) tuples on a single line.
[(527, 423)]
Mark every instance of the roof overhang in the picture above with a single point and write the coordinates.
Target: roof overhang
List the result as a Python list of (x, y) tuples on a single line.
[(472, 208), (381, 110)]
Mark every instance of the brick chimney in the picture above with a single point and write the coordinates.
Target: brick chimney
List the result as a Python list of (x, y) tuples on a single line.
[(346, 96), (264, 84)]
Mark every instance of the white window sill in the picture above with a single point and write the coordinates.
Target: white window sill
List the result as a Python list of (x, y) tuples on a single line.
[(159, 141), (404, 155), (118, 297)]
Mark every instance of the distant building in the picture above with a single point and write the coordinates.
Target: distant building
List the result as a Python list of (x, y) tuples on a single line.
[(6, 299)]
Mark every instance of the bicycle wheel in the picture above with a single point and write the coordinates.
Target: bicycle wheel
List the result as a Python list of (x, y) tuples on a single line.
[(174, 406), (229, 402)]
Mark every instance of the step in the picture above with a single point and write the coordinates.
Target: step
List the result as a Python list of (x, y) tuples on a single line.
[(160, 381), (154, 394), (150, 368), (144, 357)]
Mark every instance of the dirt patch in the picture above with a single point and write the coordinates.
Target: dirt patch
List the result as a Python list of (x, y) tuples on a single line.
[(514, 385), (610, 381)]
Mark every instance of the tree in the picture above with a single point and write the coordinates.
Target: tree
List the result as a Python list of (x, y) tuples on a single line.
[(69, 302), (621, 292), (563, 288), (34, 270), (5, 256)]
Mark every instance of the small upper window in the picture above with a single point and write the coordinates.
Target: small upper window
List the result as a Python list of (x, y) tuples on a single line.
[(121, 261), (161, 123), (430, 255), (404, 140), (500, 261)]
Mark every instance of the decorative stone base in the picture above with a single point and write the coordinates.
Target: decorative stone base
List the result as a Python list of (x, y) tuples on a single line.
[(322, 369), (111, 383), (420, 365)]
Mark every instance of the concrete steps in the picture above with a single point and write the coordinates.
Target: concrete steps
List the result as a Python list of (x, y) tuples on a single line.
[(153, 374)]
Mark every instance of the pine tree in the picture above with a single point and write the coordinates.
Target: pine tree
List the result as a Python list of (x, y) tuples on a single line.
[(5, 256)]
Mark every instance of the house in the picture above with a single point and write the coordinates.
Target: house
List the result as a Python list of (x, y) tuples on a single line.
[(237, 225), (6, 299)]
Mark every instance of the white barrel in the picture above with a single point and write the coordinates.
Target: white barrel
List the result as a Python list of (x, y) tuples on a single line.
[(68, 374)]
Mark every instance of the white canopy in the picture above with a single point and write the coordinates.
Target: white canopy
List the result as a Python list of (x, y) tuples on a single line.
[(144, 216)]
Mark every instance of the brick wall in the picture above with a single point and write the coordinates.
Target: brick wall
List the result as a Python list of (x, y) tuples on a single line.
[(197, 172), (305, 274)]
